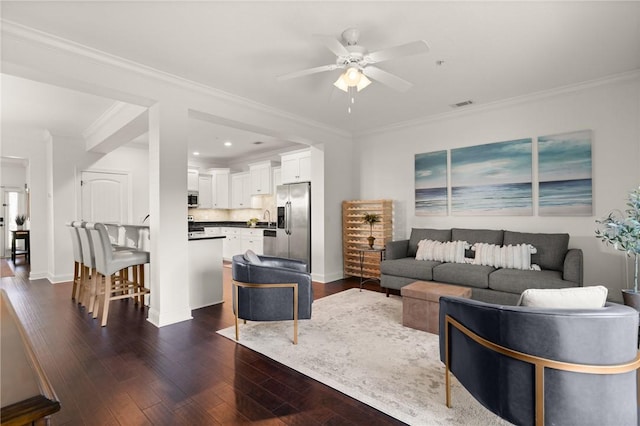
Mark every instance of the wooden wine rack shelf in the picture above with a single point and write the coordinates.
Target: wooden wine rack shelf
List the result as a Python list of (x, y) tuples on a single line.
[(355, 232)]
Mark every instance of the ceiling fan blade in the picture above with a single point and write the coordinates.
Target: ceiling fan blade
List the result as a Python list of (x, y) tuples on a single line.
[(413, 48), (387, 78), (333, 45), (315, 70)]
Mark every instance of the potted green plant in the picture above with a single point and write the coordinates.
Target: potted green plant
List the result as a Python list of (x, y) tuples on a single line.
[(371, 219), (252, 222), (622, 231), (20, 220)]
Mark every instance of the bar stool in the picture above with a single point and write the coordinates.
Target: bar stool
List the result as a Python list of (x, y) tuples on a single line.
[(135, 236), (89, 276), (114, 234), (110, 261), (78, 263)]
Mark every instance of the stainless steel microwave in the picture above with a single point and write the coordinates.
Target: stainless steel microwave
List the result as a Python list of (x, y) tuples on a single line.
[(192, 199)]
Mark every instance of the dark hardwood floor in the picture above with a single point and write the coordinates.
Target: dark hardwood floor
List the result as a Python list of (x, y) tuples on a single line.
[(132, 373)]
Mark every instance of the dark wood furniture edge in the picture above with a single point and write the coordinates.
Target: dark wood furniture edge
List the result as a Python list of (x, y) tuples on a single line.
[(36, 407), (29, 410)]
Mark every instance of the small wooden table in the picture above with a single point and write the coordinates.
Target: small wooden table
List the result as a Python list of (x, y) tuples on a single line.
[(362, 252), (421, 303), (21, 234)]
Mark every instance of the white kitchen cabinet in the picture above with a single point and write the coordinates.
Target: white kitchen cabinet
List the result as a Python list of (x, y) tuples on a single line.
[(231, 245), (192, 180), (296, 166), (260, 178), (239, 240), (277, 179), (205, 193), (241, 190), (220, 185), (252, 239), (212, 231), (204, 273)]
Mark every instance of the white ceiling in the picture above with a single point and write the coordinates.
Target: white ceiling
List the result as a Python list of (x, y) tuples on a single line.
[(491, 51)]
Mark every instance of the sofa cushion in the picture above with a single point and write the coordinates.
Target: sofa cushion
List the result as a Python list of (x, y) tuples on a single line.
[(463, 273), (450, 251), (565, 298), (418, 234), (409, 268), (472, 236), (552, 248), (513, 257), (516, 281)]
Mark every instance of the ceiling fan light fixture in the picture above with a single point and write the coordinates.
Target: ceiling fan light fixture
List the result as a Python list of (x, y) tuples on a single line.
[(352, 77), (364, 82)]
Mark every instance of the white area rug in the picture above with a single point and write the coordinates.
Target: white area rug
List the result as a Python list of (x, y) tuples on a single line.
[(355, 343)]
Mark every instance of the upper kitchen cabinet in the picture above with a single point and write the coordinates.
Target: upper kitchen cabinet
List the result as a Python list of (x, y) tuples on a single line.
[(205, 195), (276, 178), (241, 190), (261, 177), (192, 180), (296, 166), (220, 185)]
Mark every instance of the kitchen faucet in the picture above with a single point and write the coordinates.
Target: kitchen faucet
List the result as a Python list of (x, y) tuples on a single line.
[(267, 213)]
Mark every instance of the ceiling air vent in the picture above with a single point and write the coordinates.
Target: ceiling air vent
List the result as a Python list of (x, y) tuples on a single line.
[(462, 104)]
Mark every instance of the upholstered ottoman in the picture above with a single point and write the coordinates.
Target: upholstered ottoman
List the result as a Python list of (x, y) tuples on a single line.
[(421, 303)]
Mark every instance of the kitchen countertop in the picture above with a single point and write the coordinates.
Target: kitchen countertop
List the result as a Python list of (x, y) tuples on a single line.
[(229, 224), (206, 237)]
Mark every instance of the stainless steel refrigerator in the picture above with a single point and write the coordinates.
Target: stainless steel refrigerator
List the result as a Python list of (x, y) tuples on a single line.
[(293, 234)]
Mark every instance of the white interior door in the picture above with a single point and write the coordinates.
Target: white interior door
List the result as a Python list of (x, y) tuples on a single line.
[(105, 197)]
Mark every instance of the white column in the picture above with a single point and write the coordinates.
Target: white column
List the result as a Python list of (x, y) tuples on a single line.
[(169, 298)]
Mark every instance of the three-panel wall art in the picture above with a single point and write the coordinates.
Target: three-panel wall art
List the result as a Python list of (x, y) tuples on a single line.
[(497, 178)]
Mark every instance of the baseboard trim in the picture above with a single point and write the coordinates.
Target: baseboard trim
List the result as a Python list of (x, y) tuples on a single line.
[(160, 319), (322, 278), (55, 279)]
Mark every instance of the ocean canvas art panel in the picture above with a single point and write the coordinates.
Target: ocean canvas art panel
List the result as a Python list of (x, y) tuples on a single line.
[(431, 184), (564, 174), (492, 179)]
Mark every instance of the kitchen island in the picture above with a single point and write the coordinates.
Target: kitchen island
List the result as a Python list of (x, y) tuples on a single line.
[(205, 270)]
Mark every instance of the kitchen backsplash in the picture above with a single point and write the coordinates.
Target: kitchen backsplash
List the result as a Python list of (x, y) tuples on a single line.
[(236, 215)]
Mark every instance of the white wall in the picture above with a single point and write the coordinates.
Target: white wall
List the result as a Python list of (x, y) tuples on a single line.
[(135, 162), (610, 108), (338, 185), (13, 175)]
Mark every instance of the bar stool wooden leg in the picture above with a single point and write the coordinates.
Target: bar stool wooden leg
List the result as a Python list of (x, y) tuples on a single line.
[(76, 278), (141, 281), (94, 285), (107, 294), (83, 286)]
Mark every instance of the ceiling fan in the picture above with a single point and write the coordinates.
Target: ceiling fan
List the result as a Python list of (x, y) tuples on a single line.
[(358, 63)]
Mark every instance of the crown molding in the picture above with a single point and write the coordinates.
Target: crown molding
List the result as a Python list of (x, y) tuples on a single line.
[(113, 111), (504, 103), (28, 34)]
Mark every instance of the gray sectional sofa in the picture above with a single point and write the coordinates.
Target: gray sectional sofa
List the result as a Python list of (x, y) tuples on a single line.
[(560, 266)]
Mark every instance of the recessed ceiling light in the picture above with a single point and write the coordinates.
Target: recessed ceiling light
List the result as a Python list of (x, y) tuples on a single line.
[(196, 153), (228, 143)]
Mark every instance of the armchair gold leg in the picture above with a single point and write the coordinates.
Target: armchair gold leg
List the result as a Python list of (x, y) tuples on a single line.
[(235, 310), (237, 284), (295, 314), (447, 378)]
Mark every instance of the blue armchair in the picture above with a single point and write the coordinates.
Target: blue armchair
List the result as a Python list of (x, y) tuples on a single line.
[(541, 365), (267, 288)]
